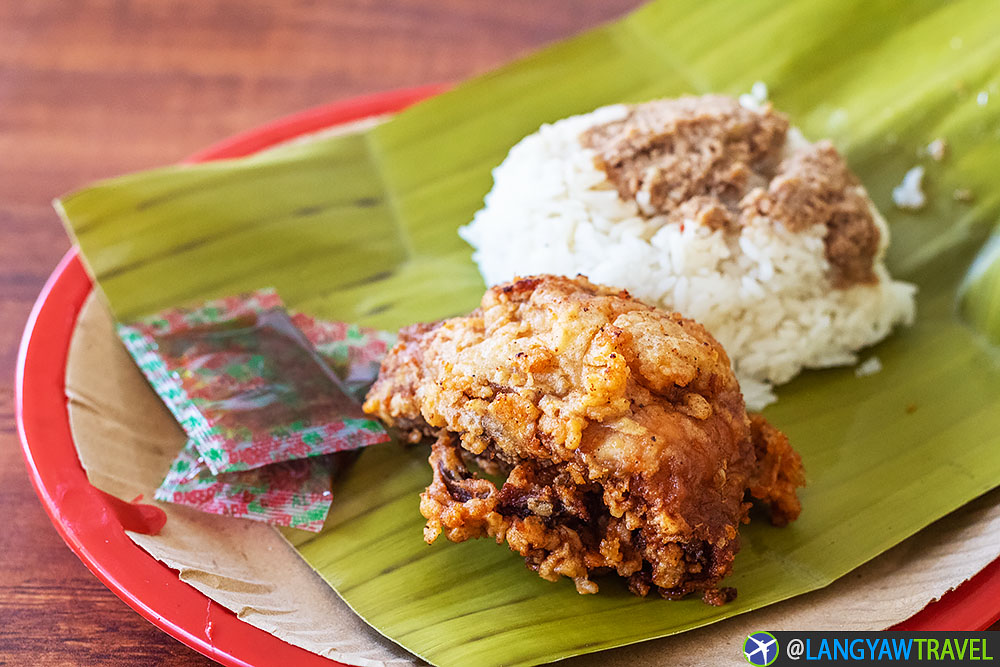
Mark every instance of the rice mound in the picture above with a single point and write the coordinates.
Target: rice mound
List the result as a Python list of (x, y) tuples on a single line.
[(763, 291)]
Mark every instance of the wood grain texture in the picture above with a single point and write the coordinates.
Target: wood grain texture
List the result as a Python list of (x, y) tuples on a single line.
[(96, 88)]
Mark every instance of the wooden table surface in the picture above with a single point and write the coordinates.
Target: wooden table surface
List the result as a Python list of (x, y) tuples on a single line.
[(95, 88)]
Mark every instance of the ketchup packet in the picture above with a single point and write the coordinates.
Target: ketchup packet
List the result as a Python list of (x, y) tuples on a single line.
[(246, 385), (353, 352), (295, 493)]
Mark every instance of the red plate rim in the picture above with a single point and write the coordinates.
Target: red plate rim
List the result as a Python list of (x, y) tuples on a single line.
[(89, 521)]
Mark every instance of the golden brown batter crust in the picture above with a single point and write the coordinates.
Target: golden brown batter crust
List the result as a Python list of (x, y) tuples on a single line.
[(622, 427), (711, 160)]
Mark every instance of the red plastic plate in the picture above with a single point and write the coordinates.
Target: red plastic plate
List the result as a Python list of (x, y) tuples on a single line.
[(92, 523)]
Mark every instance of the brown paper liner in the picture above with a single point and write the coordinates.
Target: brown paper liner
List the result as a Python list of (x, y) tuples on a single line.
[(126, 440)]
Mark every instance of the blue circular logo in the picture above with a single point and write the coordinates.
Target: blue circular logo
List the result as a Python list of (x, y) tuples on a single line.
[(760, 649)]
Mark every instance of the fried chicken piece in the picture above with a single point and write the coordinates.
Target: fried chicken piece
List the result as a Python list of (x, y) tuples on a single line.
[(778, 472), (621, 427)]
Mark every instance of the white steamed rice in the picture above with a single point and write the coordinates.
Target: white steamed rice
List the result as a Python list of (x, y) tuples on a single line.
[(762, 291)]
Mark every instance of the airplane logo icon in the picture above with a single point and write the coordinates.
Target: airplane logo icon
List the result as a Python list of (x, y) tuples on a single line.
[(760, 649)]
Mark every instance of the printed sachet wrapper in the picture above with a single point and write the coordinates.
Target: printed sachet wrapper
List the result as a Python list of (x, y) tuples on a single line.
[(296, 493), (353, 352), (246, 385)]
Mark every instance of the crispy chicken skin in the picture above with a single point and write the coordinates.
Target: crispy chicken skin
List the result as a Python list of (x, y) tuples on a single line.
[(621, 428)]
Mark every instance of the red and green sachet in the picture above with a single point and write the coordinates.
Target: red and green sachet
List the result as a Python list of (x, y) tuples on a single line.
[(245, 383), (296, 493), (353, 352), (243, 371)]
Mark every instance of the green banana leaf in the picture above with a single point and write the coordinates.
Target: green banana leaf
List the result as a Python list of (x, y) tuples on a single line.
[(362, 228)]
